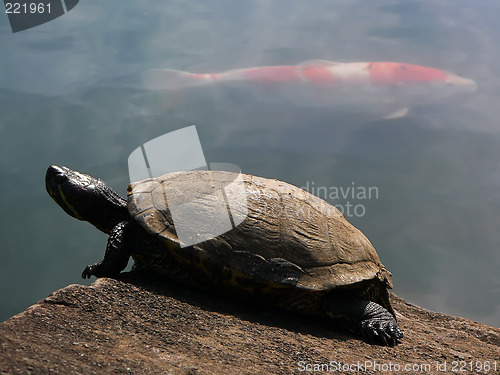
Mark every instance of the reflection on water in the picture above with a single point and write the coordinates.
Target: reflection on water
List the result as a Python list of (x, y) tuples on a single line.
[(437, 170)]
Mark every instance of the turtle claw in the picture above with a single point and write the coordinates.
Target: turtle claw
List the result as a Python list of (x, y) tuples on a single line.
[(105, 268), (381, 331), (90, 270)]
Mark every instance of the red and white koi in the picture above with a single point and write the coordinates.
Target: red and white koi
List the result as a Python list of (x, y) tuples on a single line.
[(391, 86)]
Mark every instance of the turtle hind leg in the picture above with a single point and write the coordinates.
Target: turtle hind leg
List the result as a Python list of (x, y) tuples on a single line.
[(116, 256), (375, 323)]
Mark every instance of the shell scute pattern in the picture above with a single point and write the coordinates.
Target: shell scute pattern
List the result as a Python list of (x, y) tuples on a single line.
[(288, 237)]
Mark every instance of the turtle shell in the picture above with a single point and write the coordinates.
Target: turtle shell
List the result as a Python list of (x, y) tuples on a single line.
[(262, 228)]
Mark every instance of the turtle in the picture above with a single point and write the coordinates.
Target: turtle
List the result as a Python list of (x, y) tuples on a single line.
[(289, 248)]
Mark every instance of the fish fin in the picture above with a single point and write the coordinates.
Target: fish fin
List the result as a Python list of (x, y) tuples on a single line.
[(398, 114), (319, 63), (170, 79)]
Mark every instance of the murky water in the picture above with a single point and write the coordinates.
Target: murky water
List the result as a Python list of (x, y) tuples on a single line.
[(69, 95)]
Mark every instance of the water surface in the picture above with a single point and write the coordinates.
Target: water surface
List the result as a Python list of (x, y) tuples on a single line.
[(66, 97)]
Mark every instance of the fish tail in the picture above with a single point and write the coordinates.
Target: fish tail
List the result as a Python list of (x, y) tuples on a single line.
[(171, 79)]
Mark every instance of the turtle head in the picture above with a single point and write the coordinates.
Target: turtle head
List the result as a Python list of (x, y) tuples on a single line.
[(86, 198)]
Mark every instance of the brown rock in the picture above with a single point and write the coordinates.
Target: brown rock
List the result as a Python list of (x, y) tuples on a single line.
[(143, 325)]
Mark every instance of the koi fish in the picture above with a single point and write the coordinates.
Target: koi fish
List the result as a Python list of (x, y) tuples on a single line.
[(386, 88)]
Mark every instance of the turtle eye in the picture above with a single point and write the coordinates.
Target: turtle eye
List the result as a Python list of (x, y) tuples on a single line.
[(60, 178)]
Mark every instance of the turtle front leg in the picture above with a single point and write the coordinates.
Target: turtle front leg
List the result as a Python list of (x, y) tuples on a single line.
[(116, 256), (375, 324)]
